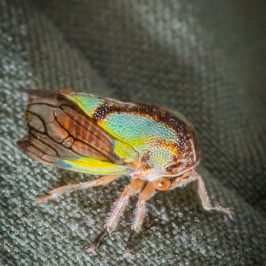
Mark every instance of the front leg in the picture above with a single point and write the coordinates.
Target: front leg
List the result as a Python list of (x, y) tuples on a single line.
[(119, 206), (140, 212), (117, 210), (202, 193)]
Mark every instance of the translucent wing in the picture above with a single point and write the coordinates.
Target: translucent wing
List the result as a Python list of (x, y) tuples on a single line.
[(60, 133)]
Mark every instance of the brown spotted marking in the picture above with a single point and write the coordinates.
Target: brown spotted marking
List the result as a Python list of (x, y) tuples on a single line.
[(151, 111), (144, 161)]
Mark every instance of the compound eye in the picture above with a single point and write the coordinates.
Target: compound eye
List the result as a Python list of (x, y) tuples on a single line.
[(162, 184)]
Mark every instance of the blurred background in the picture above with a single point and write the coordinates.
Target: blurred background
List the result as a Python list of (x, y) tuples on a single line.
[(205, 59)]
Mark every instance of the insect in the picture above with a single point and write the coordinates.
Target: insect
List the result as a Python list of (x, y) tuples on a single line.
[(101, 136)]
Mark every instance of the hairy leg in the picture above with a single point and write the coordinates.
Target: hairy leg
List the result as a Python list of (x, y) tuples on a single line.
[(119, 206), (202, 193), (139, 216), (140, 211), (117, 210), (72, 187)]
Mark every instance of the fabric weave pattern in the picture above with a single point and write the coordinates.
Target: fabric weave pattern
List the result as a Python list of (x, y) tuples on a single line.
[(203, 59)]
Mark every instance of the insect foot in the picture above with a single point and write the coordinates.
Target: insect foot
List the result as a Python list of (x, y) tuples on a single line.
[(93, 248), (228, 212), (44, 198), (129, 246)]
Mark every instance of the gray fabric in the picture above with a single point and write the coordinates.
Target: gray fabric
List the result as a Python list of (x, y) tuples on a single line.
[(203, 58)]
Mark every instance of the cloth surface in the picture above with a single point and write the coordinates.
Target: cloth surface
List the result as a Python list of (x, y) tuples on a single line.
[(205, 59)]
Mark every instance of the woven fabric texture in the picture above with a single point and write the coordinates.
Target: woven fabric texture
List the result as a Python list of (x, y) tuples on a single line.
[(205, 59)]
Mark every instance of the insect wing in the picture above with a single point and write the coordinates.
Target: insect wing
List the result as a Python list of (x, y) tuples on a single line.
[(60, 133), (144, 127)]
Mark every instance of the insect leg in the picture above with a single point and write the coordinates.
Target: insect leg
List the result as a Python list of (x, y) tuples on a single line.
[(205, 200), (117, 211), (96, 243), (72, 187), (140, 212), (120, 205), (202, 193), (129, 245)]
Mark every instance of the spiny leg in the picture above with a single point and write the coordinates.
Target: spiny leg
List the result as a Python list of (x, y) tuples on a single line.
[(119, 206), (72, 187), (202, 193), (140, 212), (116, 213)]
